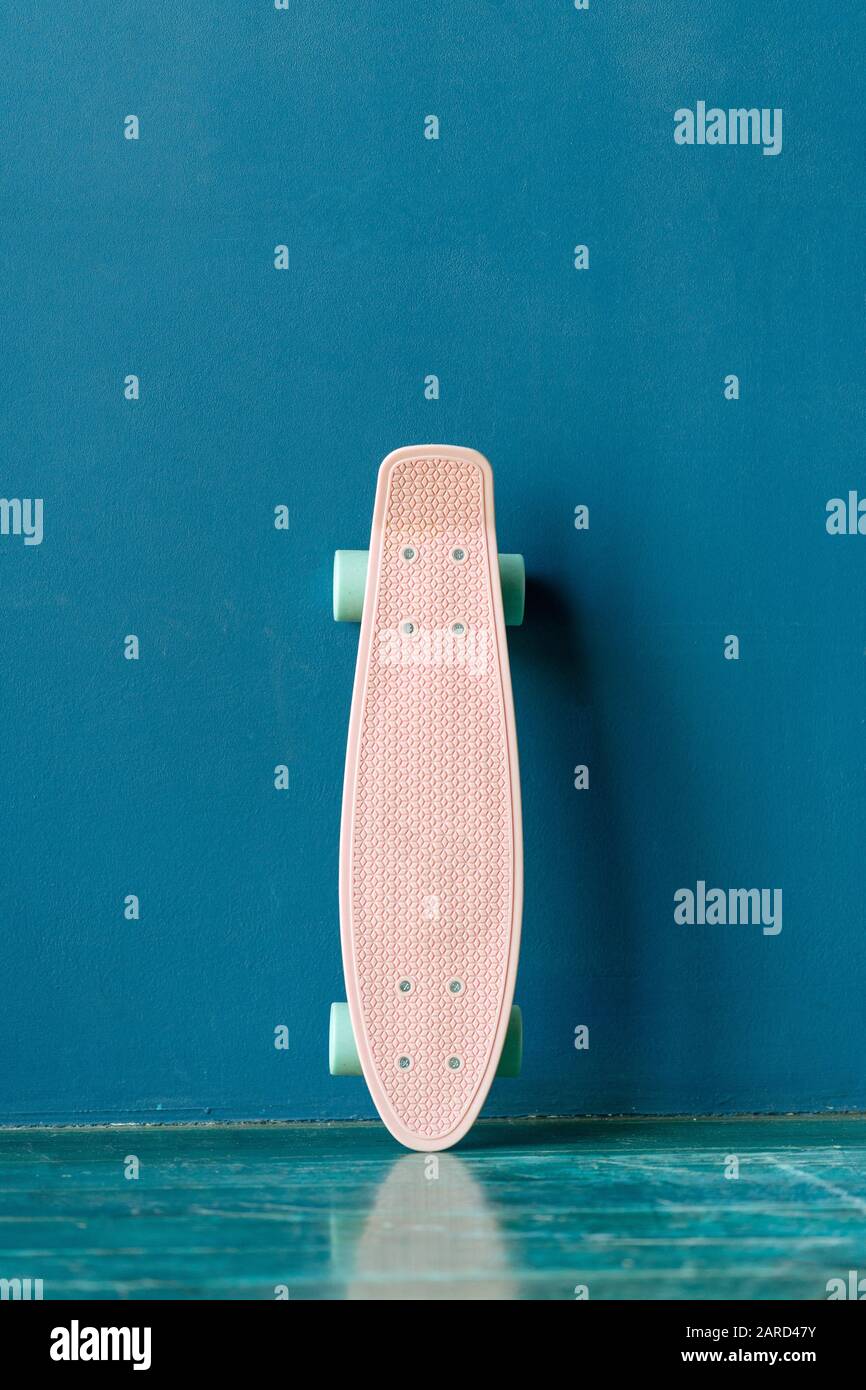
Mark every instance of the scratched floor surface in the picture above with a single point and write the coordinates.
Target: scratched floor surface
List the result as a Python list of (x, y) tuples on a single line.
[(524, 1209)]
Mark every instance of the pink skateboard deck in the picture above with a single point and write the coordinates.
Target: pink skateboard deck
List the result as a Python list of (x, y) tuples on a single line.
[(431, 851)]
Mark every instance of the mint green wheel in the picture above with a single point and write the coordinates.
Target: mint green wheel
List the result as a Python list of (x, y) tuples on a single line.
[(512, 1049), (343, 1059), (512, 576), (350, 581), (343, 1056)]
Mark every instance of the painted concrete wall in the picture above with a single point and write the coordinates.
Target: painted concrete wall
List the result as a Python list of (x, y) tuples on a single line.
[(732, 764)]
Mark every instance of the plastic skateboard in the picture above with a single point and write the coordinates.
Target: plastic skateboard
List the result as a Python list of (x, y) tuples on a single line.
[(431, 874)]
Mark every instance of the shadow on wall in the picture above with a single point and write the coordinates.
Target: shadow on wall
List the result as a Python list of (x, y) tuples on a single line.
[(588, 957)]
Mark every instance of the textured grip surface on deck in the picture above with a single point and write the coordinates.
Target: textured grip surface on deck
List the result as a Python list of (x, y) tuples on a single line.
[(431, 874)]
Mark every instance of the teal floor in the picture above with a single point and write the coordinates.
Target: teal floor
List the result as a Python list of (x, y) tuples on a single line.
[(524, 1209)]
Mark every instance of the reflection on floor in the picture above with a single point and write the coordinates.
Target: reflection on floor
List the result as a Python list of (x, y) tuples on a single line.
[(548, 1209)]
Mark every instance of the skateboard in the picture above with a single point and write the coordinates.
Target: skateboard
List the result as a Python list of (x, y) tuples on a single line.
[(431, 852)]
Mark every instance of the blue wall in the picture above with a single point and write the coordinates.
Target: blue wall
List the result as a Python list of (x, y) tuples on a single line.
[(602, 387)]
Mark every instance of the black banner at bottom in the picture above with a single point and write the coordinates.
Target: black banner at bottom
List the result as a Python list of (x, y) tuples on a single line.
[(221, 1337)]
